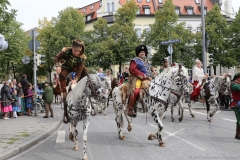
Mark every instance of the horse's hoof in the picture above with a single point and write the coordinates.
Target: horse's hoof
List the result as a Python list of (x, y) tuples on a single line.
[(193, 116), (162, 144), (71, 137), (151, 137), (180, 119), (211, 115), (99, 111), (173, 120), (85, 159), (129, 128), (209, 120), (105, 114), (122, 138), (75, 148)]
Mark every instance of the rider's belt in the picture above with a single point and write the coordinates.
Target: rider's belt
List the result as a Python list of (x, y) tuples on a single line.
[(138, 83)]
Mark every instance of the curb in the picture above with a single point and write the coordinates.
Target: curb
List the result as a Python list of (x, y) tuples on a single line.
[(31, 142)]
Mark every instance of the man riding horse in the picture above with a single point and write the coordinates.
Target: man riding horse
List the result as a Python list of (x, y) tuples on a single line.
[(140, 70), (68, 60)]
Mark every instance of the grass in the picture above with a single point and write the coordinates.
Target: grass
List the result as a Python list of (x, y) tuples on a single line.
[(11, 142), (5, 147), (25, 135), (14, 139)]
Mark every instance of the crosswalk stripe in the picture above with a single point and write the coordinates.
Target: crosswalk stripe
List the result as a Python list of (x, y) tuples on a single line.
[(229, 120), (60, 137)]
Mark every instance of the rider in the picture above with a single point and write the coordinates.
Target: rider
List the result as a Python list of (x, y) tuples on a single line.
[(68, 60), (198, 76), (235, 89), (140, 70), (165, 65)]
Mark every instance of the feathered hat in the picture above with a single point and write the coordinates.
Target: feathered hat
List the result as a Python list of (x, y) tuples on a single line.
[(78, 44), (141, 48)]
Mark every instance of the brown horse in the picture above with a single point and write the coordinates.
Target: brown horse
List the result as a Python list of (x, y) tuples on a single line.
[(57, 92)]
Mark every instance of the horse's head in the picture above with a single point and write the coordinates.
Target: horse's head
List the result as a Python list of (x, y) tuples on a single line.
[(180, 79)]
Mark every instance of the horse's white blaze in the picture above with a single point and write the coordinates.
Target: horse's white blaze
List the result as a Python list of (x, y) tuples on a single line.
[(60, 137)]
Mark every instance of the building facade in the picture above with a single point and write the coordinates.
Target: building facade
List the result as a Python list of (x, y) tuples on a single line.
[(189, 11)]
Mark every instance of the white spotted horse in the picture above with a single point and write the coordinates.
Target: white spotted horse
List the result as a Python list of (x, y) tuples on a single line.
[(80, 107), (106, 87), (157, 99), (210, 93)]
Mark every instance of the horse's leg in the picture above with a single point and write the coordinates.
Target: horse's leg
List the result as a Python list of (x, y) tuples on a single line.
[(208, 111), (160, 127), (181, 109), (99, 107), (73, 135), (119, 121), (190, 108), (85, 128), (129, 128), (215, 110), (172, 110), (104, 109)]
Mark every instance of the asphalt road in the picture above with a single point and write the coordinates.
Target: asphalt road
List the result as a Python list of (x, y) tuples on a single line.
[(193, 138)]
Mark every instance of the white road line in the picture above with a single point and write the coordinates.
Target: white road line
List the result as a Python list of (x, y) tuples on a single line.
[(60, 137), (229, 120), (201, 112), (174, 135)]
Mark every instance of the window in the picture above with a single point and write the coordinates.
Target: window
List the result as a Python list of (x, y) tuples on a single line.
[(139, 0), (205, 11), (147, 10), (148, 1), (84, 10), (190, 11), (197, 1), (138, 32), (138, 11), (89, 17), (160, 1), (189, 28), (113, 6), (108, 7), (92, 7), (198, 29), (177, 10)]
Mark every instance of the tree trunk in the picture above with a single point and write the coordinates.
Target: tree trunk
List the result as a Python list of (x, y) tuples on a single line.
[(120, 68), (50, 75)]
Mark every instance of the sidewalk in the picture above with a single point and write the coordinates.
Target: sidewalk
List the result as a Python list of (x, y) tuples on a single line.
[(17, 135)]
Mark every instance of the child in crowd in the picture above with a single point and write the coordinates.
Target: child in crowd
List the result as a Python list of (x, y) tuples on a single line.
[(15, 107)]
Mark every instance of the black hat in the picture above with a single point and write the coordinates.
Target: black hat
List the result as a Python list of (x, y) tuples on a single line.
[(236, 76), (141, 48)]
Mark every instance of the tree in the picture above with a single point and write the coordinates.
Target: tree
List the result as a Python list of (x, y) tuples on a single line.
[(6, 17), (217, 28), (234, 41), (123, 37), (165, 28)]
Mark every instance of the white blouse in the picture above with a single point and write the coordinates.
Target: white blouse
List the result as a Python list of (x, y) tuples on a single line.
[(198, 75)]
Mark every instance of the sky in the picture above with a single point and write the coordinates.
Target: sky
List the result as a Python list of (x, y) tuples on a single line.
[(30, 11)]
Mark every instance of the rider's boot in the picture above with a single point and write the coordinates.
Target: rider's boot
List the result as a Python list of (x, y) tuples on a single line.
[(237, 136), (132, 112)]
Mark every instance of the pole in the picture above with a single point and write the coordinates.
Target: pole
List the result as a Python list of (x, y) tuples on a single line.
[(204, 58), (34, 72)]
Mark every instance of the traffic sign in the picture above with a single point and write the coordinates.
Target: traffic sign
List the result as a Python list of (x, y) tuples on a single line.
[(170, 49), (30, 45), (33, 33), (170, 41), (26, 59)]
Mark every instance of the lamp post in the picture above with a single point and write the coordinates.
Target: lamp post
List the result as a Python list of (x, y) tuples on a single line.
[(204, 57)]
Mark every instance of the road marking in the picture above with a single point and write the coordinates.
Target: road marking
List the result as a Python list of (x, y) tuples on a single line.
[(60, 137), (229, 120), (201, 112), (186, 141)]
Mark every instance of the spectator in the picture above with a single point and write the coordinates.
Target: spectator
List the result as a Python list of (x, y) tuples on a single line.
[(126, 75), (109, 74), (14, 81), (29, 99), (15, 106), (100, 74), (20, 96), (24, 81), (6, 100), (48, 98)]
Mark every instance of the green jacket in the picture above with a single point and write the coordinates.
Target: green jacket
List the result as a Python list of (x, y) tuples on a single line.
[(48, 94), (235, 87)]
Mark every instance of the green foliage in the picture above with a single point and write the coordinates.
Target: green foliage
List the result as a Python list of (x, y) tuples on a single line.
[(165, 28), (217, 29), (6, 17)]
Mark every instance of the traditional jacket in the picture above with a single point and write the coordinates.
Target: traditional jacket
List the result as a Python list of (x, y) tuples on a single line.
[(198, 75), (139, 67), (72, 63), (48, 94), (235, 89)]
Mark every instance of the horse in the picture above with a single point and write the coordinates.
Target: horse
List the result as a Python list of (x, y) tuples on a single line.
[(80, 107), (57, 93), (106, 86), (157, 99), (210, 93)]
